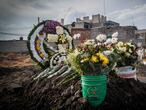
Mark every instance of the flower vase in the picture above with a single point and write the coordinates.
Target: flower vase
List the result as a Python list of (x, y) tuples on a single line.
[(126, 72), (94, 89)]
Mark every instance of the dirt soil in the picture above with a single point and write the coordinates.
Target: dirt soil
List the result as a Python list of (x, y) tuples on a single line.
[(19, 92), (16, 70)]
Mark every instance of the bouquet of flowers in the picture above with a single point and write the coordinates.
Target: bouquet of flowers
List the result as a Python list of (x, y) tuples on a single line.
[(127, 60), (127, 54), (93, 56), (93, 60)]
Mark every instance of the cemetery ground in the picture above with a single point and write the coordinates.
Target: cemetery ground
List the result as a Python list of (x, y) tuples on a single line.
[(18, 91)]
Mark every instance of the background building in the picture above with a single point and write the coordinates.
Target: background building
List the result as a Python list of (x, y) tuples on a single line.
[(88, 29), (141, 37), (98, 24)]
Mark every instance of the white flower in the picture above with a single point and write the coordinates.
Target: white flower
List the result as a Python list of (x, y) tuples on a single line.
[(107, 52), (120, 44), (127, 54), (62, 47), (108, 41), (140, 53), (98, 44), (76, 36), (123, 49), (115, 35), (59, 30), (114, 40), (52, 38), (55, 61), (130, 51), (62, 59), (101, 37), (130, 44), (69, 38), (76, 52), (89, 42)]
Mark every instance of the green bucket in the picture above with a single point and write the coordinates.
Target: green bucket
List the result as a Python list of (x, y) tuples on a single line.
[(94, 89)]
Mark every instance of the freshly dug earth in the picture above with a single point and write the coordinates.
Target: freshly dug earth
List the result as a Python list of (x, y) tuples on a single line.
[(16, 70), (121, 94), (19, 92)]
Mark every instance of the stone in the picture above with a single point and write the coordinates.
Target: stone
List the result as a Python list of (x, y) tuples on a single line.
[(66, 92), (82, 100), (77, 93)]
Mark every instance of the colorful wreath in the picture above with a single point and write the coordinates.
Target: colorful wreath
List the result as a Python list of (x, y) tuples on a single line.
[(46, 39)]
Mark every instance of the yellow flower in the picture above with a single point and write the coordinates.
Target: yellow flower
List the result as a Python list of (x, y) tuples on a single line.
[(97, 54), (38, 41), (103, 58), (41, 35), (62, 39), (85, 59), (38, 47), (94, 59), (105, 61), (42, 55), (100, 55)]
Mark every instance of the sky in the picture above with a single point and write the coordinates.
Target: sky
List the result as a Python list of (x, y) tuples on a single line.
[(19, 16)]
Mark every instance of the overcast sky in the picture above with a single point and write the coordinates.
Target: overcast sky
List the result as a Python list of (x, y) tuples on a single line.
[(18, 16)]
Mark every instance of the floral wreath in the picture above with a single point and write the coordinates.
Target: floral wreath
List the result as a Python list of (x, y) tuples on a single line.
[(45, 40)]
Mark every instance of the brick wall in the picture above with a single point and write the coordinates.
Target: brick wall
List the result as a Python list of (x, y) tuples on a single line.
[(125, 32), (85, 34)]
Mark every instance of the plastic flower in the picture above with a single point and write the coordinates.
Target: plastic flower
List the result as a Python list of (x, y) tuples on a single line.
[(101, 37), (94, 59)]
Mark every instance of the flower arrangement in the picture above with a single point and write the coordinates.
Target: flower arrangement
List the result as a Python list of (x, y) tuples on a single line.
[(127, 59), (93, 57), (127, 54), (93, 60)]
